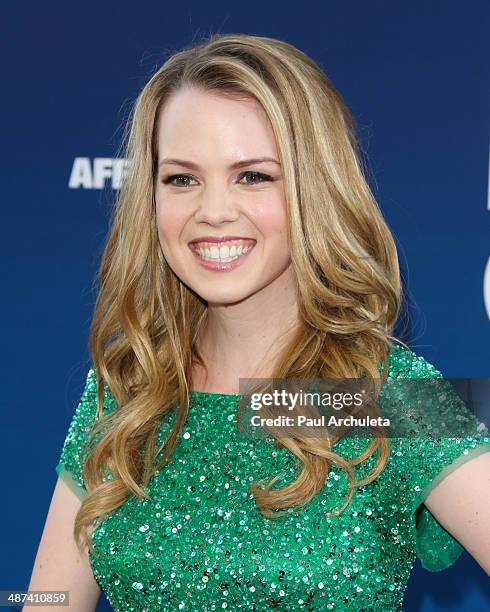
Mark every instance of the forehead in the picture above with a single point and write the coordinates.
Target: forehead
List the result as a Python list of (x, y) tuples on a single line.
[(192, 119)]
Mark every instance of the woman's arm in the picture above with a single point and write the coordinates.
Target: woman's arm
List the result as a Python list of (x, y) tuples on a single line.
[(59, 566), (461, 504)]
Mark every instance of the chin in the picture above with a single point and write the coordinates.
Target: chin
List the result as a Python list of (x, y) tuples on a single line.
[(225, 298)]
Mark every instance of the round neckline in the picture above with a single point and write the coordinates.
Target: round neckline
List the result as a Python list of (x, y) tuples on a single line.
[(208, 393)]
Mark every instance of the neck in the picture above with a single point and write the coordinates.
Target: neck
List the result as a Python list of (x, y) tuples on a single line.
[(242, 340)]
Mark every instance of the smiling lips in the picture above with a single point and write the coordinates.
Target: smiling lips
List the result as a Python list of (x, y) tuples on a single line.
[(222, 251)]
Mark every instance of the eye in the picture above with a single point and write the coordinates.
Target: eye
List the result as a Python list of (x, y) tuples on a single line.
[(169, 180), (183, 180), (257, 177)]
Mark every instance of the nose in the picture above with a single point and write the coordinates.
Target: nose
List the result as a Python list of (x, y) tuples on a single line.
[(215, 206)]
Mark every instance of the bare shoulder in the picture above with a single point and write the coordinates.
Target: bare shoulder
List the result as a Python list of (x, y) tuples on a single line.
[(59, 565)]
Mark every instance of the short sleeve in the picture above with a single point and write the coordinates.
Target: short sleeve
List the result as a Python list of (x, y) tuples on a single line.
[(425, 460), (75, 447), (436, 548)]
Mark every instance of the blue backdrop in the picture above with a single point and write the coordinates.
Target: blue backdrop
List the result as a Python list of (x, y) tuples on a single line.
[(416, 78)]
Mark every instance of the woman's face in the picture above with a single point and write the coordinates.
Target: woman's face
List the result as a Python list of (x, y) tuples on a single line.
[(221, 218)]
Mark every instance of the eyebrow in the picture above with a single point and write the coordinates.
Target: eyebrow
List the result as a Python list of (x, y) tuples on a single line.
[(238, 164)]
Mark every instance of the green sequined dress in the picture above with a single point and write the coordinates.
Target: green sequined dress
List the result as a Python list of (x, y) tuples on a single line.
[(200, 543)]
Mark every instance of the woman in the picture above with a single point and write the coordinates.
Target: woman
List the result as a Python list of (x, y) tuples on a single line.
[(246, 243)]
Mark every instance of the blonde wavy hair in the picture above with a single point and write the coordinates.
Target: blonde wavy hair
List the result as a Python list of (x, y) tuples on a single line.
[(143, 336)]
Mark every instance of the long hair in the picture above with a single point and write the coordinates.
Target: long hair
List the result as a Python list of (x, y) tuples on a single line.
[(146, 321)]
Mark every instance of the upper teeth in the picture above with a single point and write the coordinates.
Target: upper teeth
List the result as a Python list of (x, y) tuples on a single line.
[(223, 251)]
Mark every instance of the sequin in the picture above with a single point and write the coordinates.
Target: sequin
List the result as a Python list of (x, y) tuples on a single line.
[(200, 543)]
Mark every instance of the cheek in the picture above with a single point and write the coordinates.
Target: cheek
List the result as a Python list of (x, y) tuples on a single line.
[(169, 221), (271, 216)]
